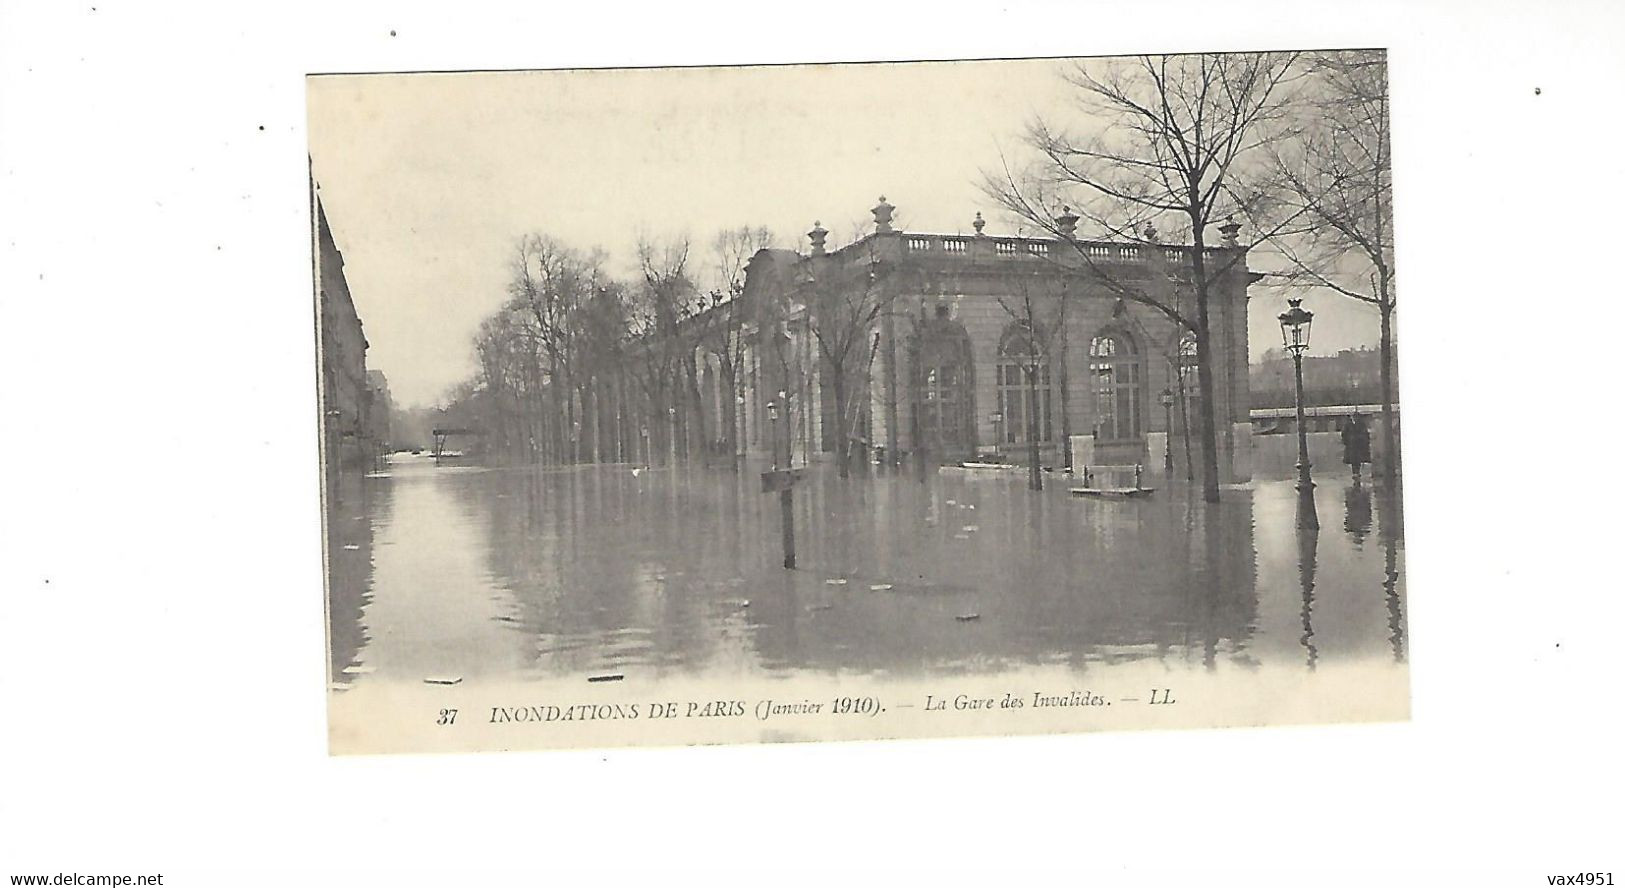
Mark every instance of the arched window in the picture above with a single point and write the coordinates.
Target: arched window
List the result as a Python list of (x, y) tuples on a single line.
[(1020, 356), (945, 397), (1114, 367)]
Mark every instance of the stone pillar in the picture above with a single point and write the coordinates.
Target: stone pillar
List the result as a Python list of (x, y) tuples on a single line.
[(817, 236), (1067, 223), (1156, 452), (1241, 456), (883, 213), (1083, 452)]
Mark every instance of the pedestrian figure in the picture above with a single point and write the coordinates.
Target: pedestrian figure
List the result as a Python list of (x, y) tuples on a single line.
[(1356, 444)]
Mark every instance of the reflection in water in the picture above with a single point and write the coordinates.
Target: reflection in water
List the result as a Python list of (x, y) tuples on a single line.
[(1391, 530), (1308, 542), (1357, 513), (529, 572)]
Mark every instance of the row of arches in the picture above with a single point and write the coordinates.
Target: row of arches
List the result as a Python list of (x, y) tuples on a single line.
[(1027, 387)]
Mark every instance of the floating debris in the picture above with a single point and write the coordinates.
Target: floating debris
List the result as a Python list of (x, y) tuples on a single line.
[(820, 607), (966, 618), (351, 547), (613, 676), (837, 581), (338, 686), (971, 528), (951, 502), (507, 619), (961, 536), (443, 679), (358, 669), (879, 587)]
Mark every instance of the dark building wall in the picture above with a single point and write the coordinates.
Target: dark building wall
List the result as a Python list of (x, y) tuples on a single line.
[(348, 445)]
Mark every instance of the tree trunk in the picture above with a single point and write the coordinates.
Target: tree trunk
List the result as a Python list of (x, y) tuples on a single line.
[(1066, 396), (1390, 436), (1035, 477), (1204, 366), (891, 390), (730, 409), (843, 447)]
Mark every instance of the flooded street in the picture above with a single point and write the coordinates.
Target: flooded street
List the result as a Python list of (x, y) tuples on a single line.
[(522, 574)]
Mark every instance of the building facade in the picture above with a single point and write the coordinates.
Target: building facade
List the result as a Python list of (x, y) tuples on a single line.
[(974, 346), (349, 424)]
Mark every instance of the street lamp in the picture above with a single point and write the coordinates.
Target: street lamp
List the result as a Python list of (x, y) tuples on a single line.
[(671, 413), (1166, 399), (1295, 322)]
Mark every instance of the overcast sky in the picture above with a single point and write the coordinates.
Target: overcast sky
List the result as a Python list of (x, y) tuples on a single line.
[(428, 179)]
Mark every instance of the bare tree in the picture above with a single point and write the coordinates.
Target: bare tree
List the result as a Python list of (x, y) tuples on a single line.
[(1338, 175), (1169, 139), (601, 330), (550, 282), (846, 300), (665, 363), (722, 317)]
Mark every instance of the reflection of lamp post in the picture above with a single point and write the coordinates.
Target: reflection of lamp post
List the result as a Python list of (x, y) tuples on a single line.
[(787, 526), (1167, 401), (1295, 323)]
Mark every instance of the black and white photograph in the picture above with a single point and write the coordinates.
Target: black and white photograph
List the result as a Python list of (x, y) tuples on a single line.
[(759, 403), (952, 444)]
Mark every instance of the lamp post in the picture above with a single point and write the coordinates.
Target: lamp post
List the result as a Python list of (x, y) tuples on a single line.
[(1295, 322), (671, 414), (787, 519), (1167, 401)]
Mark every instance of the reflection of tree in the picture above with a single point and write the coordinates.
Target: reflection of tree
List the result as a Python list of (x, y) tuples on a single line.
[(606, 569), (1391, 532)]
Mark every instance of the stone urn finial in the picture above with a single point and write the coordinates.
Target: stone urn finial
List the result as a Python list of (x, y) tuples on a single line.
[(1067, 223), (883, 212), (817, 236), (979, 223), (1229, 230)]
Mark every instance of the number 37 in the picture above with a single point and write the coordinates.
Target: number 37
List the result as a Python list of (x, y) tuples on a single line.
[(447, 716)]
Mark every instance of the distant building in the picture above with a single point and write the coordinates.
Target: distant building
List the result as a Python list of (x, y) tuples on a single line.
[(1353, 376), (1335, 387), (380, 411), (350, 446)]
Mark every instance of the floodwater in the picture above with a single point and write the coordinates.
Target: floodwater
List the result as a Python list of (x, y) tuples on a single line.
[(516, 574)]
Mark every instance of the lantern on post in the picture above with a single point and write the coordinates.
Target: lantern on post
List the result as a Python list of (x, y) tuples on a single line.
[(1295, 324), (1166, 399)]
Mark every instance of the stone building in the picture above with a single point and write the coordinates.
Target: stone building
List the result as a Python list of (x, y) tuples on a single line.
[(349, 446), (970, 346), (380, 410)]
